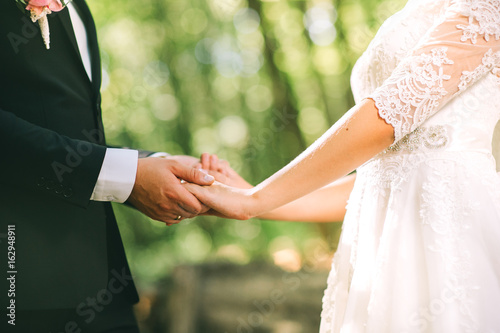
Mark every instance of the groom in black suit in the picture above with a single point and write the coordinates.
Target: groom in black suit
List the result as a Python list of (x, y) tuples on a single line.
[(63, 267)]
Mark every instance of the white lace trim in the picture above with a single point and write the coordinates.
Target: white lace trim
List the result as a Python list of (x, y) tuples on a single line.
[(422, 139), (444, 210), (484, 19), (445, 215), (416, 92), (490, 63)]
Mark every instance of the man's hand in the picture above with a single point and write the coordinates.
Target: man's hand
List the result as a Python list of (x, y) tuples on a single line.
[(158, 192), (185, 159)]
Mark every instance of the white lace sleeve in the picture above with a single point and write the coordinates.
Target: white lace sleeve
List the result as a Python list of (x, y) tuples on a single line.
[(452, 56)]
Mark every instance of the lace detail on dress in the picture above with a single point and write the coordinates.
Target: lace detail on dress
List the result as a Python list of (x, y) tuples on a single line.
[(433, 137), (417, 91), (484, 16), (423, 213), (340, 277), (489, 64), (445, 215)]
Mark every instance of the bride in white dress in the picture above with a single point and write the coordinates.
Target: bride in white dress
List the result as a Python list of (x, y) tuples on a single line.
[(420, 245)]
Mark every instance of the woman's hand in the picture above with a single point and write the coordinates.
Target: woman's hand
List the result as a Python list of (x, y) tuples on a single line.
[(358, 136), (226, 201), (222, 171)]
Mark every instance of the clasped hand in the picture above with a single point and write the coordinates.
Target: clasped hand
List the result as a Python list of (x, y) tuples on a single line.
[(177, 187), (230, 196)]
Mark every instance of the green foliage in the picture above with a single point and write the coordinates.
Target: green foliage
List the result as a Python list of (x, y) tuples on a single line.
[(255, 82)]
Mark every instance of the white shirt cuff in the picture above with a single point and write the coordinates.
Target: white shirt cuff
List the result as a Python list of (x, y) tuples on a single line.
[(117, 177)]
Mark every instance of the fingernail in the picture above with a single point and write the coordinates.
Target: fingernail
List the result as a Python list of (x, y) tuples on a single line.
[(209, 178), (203, 170)]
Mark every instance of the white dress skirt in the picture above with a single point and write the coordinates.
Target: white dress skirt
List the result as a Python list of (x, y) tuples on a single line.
[(420, 245)]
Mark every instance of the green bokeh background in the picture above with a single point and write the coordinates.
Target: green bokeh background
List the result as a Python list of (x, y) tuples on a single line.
[(252, 81)]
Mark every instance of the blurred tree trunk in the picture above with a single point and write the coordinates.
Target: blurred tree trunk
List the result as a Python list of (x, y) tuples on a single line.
[(284, 99), (256, 298)]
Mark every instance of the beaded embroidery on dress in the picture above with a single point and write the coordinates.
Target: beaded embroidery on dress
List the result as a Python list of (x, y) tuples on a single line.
[(421, 237)]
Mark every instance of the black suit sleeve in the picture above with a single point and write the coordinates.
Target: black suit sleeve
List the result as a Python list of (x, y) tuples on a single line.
[(38, 159), (145, 153), (142, 153)]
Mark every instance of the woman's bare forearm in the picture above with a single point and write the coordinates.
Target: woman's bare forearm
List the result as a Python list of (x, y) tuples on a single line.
[(324, 205), (354, 139)]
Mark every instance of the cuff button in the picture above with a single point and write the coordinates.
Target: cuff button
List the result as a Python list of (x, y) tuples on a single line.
[(41, 182), (50, 185), (68, 192), (59, 189)]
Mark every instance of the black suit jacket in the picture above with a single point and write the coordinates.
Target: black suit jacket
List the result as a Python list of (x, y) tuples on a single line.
[(53, 145)]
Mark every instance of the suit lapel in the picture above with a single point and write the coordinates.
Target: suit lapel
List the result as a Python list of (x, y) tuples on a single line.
[(95, 59), (68, 27)]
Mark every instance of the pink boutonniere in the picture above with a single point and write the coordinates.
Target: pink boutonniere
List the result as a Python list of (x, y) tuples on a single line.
[(39, 9)]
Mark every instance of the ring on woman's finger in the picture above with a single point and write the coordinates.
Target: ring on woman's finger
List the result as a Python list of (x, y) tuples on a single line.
[(178, 218)]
